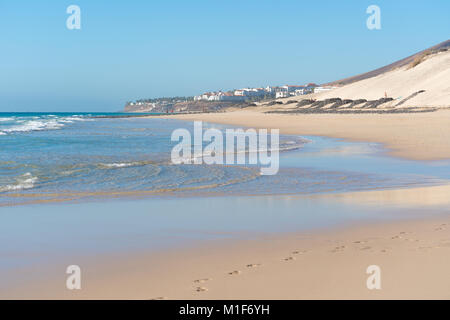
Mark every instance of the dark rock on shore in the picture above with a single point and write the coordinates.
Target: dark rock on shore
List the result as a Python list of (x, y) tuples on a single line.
[(323, 103), (305, 102), (355, 111), (272, 103), (375, 103), (357, 102)]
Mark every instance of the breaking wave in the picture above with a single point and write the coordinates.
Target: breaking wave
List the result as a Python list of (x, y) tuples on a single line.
[(121, 165), (25, 181), (23, 125)]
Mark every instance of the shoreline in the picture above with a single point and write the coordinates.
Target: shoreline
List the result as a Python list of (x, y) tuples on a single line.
[(328, 262), (418, 136)]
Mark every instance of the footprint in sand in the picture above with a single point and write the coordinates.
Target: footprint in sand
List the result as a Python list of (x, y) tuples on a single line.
[(253, 265), (439, 229), (159, 298), (299, 252), (234, 273), (338, 249), (425, 248), (289, 259), (201, 289), (202, 280)]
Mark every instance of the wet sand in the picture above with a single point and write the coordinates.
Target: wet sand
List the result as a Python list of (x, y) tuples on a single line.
[(412, 251), (414, 259), (418, 136)]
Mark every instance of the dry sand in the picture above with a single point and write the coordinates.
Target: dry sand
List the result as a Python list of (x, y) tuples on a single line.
[(420, 136)]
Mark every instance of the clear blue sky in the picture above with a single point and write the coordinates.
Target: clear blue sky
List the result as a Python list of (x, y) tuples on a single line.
[(128, 50)]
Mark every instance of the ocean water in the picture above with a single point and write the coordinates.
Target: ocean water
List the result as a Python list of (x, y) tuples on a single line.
[(49, 157)]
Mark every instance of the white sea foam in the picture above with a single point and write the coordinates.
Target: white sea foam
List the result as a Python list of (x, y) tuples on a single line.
[(34, 125), (77, 118), (285, 146), (40, 124), (120, 164), (25, 181)]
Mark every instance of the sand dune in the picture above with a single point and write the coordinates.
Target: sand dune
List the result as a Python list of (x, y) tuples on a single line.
[(395, 65), (432, 75)]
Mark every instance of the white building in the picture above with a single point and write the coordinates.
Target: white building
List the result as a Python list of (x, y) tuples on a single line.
[(281, 94), (291, 89), (240, 92), (219, 96), (206, 96), (300, 92), (250, 92), (304, 90), (288, 90), (228, 96)]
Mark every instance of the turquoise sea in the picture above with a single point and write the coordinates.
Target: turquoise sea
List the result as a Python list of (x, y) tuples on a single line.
[(48, 157)]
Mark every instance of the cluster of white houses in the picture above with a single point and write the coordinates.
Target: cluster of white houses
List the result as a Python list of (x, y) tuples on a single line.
[(248, 93), (236, 95)]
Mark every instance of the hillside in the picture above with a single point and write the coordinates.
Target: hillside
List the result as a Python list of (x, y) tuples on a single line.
[(398, 64), (426, 84)]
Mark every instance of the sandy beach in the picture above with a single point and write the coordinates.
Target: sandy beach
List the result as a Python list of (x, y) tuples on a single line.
[(414, 258), (411, 247), (412, 254), (419, 136)]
